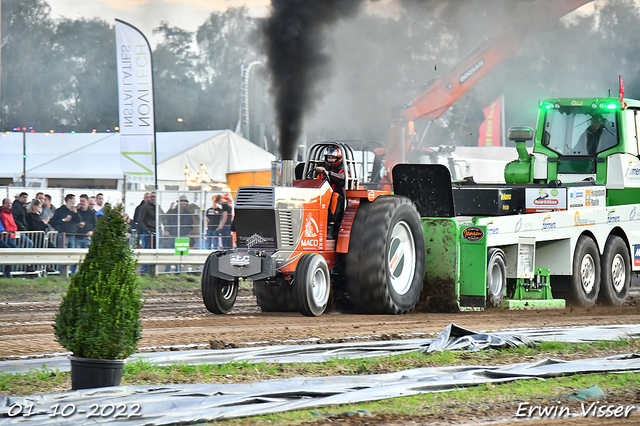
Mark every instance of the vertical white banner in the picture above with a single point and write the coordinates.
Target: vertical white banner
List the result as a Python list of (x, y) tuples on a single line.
[(135, 103)]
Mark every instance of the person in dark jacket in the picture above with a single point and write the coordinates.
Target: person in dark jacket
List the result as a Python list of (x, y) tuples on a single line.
[(34, 220), (88, 219), (19, 211), (136, 216), (182, 221), (66, 219), (147, 225)]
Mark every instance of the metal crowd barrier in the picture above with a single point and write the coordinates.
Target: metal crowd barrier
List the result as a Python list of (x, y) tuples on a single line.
[(28, 240), (42, 253), (64, 257)]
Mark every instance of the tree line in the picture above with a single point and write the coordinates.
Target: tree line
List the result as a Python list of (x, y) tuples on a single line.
[(61, 74)]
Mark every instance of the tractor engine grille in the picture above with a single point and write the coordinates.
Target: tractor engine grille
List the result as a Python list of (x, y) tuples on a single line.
[(255, 197), (287, 239)]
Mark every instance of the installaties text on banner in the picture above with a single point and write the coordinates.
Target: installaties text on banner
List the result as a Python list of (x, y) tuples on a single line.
[(135, 104), (491, 128)]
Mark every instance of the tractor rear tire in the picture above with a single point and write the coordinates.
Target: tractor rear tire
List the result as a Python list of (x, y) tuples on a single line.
[(496, 277), (312, 285), (616, 272), (385, 262), (274, 298), (585, 282), (218, 295)]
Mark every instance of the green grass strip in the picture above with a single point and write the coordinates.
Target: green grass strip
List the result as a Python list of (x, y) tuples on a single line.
[(144, 373)]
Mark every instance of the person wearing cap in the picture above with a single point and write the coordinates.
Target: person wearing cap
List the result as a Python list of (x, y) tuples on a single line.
[(219, 224), (182, 221)]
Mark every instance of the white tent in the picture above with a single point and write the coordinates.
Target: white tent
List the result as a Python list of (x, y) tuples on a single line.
[(97, 156), (221, 151)]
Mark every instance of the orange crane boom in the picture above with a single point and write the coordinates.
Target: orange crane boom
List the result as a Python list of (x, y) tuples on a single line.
[(446, 90)]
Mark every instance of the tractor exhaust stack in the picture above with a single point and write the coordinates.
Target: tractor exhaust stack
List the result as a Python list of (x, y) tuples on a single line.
[(282, 172), (286, 173)]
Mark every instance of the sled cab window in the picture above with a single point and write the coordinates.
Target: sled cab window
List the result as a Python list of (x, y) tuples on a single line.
[(572, 131)]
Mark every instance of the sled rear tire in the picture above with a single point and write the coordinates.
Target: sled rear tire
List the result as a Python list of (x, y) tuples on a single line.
[(585, 282), (496, 277), (616, 272)]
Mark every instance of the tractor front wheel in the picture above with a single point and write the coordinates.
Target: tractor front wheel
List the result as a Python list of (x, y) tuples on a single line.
[(218, 295), (312, 285)]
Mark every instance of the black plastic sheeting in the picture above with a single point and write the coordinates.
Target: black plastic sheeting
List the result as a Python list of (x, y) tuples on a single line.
[(189, 404)]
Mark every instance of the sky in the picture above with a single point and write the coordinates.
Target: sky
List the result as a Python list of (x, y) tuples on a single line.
[(147, 14)]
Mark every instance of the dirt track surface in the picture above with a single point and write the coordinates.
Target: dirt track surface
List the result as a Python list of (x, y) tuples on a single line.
[(170, 322)]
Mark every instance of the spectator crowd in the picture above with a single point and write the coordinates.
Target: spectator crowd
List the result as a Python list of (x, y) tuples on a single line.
[(24, 223)]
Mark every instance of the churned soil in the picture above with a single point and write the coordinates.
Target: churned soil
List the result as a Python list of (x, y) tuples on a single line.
[(180, 321)]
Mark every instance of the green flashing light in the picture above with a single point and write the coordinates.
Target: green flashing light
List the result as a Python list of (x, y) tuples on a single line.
[(611, 106), (607, 105)]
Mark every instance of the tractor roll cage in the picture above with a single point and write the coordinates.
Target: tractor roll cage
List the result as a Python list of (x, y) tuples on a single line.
[(315, 157)]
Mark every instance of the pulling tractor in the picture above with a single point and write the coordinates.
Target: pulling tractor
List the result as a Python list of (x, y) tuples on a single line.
[(374, 263)]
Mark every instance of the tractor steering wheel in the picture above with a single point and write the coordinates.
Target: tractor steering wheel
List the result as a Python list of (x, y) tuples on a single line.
[(311, 174)]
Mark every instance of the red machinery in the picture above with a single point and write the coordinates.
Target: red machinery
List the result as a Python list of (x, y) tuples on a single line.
[(446, 90)]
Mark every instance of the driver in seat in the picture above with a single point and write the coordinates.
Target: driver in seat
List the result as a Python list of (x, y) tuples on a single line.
[(333, 172)]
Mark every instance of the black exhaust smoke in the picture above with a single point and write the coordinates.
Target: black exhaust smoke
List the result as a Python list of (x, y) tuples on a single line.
[(297, 60)]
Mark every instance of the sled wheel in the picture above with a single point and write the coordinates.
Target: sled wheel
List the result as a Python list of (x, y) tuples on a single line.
[(274, 298), (312, 284), (385, 262), (218, 295), (496, 277), (616, 272), (585, 281)]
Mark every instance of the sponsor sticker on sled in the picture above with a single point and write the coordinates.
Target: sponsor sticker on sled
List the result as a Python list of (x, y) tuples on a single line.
[(636, 255), (588, 196), (538, 200), (472, 233)]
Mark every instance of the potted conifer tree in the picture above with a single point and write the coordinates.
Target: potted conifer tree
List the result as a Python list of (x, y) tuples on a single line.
[(99, 317)]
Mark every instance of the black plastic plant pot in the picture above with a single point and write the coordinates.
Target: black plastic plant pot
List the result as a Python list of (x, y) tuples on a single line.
[(88, 373)]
